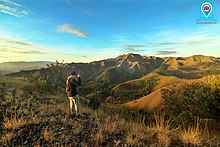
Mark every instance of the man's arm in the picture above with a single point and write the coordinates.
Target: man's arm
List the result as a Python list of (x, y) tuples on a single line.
[(76, 82), (79, 81)]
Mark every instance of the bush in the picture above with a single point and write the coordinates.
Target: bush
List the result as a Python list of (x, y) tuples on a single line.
[(191, 101), (133, 93), (94, 103)]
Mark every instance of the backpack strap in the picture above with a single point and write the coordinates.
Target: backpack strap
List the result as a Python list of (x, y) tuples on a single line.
[(67, 84)]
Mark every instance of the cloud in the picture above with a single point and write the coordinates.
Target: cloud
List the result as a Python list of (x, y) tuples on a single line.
[(10, 2), (133, 48), (7, 58), (70, 54), (10, 57), (201, 39), (119, 38), (20, 47), (25, 12), (8, 12), (28, 52), (167, 43), (12, 8), (166, 52), (83, 7), (160, 44), (17, 46), (84, 56), (204, 35), (66, 28)]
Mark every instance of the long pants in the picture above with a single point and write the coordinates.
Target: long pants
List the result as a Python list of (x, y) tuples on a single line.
[(74, 101)]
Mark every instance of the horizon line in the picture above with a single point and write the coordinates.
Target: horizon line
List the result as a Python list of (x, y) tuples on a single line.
[(110, 58)]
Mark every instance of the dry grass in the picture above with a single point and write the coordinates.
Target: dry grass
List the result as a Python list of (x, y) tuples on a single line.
[(133, 137), (64, 108), (77, 127), (106, 127), (14, 122), (48, 134), (163, 128), (161, 125), (164, 139), (192, 134), (135, 133), (110, 126), (99, 136), (47, 108), (7, 137), (85, 109)]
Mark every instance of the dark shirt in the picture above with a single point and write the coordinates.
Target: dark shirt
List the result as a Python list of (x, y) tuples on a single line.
[(71, 86)]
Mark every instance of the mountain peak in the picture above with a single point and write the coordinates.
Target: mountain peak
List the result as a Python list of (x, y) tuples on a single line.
[(128, 55), (202, 58), (132, 54), (133, 57)]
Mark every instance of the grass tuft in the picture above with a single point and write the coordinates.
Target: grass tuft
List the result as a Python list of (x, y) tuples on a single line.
[(48, 134), (192, 134), (14, 122)]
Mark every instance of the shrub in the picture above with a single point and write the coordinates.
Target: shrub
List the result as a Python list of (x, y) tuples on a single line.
[(191, 101), (132, 92), (94, 103)]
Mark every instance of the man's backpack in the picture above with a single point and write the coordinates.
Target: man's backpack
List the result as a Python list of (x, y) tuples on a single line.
[(67, 84)]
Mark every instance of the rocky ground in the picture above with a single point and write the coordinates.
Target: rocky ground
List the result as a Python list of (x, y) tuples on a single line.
[(38, 121)]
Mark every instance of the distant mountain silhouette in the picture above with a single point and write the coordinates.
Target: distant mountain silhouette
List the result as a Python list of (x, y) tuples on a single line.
[(11, 67)]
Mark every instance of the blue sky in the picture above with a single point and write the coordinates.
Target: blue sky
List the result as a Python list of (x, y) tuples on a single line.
[(88, 30)]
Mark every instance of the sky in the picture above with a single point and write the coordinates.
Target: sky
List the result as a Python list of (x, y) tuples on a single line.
[(90, 30)]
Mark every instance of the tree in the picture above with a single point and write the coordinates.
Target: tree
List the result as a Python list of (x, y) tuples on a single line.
[(55, 71), (94, 103), (191, 101)]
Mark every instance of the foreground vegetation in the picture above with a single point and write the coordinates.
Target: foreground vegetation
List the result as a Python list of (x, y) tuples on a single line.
[(193, 101), (29, 117)]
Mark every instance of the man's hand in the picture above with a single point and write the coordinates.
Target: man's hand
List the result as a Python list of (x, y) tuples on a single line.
[(78, 75)]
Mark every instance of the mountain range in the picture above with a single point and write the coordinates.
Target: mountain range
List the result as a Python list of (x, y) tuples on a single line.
[(131, 80)]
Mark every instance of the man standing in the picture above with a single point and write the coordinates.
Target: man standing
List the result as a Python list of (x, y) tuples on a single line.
[(71, 90)]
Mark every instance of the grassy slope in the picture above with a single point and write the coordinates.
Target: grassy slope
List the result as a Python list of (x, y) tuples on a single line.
[(113, 75), (154, 100), (150, 102), (162, 81)]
